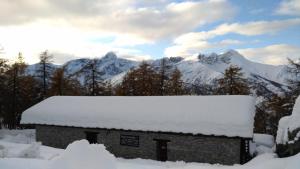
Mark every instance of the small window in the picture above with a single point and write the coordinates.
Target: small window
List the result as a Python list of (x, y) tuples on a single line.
[(91, 137), (129, 140)]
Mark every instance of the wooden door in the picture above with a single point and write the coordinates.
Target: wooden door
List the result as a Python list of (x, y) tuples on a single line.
[(91, 137), (162, 150)]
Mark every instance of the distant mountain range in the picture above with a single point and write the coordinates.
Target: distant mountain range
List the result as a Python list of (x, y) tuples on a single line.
[(195, 70)]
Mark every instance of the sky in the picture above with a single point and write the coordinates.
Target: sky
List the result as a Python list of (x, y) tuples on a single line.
[(265, 31)]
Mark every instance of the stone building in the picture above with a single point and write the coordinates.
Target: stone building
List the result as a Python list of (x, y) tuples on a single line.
[(209, 129)]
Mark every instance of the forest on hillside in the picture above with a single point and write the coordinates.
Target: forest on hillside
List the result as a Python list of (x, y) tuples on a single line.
[(19, 90)]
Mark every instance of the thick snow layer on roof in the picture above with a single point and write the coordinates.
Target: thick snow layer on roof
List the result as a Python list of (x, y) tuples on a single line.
[(209, 115), (288, 124)]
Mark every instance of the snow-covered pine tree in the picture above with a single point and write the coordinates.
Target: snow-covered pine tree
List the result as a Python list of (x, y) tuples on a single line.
[(233, 82)]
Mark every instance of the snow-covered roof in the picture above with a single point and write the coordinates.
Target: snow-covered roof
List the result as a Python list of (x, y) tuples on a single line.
[(208, 115), (288, 124)]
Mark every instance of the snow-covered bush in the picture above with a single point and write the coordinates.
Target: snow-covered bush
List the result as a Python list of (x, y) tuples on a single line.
[(288, 134), (82, 155), (33, 151)]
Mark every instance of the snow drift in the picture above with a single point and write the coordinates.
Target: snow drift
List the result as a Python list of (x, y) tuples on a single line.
[(81, 154), (288, 124)]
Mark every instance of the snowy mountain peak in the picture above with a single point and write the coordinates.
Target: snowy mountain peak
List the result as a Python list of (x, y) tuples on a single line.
[(214, 58), (110, 56), (233, 52), (196, 70)]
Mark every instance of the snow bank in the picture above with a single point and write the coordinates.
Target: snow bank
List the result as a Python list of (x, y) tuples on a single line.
[(261, 144), (209, 115), (288, 124), (294, 121), (3, 151), (22, 163), (264, 139), (282, 131), (33, 151), (82, 155), (26, 136)]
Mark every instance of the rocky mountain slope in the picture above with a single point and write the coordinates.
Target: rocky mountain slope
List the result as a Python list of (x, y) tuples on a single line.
[(196, 70)]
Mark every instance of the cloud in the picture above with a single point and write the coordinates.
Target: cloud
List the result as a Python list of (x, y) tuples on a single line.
[(137, 57), (63, 42), (70, 27), (193, 42), (274, 54), (188, 49), (145, 19), (289, 7)]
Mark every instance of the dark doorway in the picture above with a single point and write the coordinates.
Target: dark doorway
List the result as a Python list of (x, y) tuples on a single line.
[(245, 151), (161, 149), (91, 137)]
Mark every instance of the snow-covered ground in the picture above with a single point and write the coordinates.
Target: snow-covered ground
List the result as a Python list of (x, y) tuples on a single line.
[(19, 151), (262, 143)]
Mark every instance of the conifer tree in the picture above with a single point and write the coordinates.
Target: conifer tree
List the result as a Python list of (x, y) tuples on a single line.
[(63, 85), (142, 81), (93, 81), (176, 86), (163, 77), (21, 92), (146, 80), (276, 107), (233, 82), (3, 87), (44, 71), (293, 69), (14, 75)]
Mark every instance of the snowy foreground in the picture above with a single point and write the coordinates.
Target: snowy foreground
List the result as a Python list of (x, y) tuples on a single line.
[(19, 151)]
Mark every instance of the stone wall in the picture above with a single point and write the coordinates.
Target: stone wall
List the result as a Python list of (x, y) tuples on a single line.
[(185, 147)]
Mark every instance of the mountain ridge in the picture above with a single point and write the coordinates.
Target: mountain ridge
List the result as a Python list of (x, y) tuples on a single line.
[(196, 70)]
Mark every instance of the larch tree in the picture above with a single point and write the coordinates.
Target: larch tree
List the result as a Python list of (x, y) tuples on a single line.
[(276, 108), (142, 81), (163, 77), (93, 81), (175, 84), (44, 71), (3, 88), (64, 85), (21, 91), (293, 69), (108, 89), (233, 82), (14, 83)]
